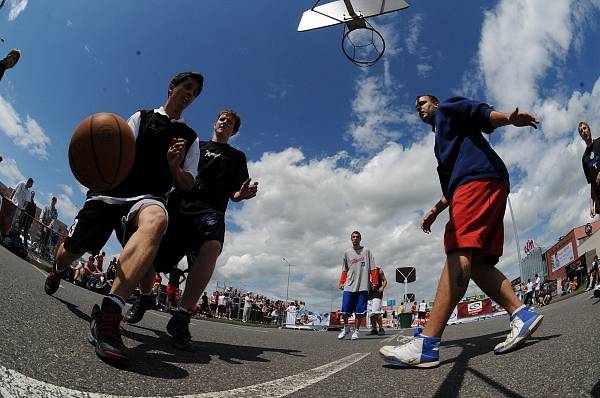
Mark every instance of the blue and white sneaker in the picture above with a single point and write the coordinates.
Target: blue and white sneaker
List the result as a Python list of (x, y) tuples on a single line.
[(419, 351), (522, 325)]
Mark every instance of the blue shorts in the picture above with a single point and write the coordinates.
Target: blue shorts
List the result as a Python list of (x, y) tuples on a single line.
[(355, 303)]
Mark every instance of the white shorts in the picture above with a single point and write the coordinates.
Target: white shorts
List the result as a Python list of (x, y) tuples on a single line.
[(375, 305)]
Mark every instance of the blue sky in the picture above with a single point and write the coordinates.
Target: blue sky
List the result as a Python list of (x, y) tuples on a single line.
[(334, 147)]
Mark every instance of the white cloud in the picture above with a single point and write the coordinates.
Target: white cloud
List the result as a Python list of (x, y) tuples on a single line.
[(16, 8), (11, 173), (376, 114), (67, 189), (306, 209), (28, 135), (69, 23), (82, 188), (87, 48), (414, 32), (423, 70), (514, 56)]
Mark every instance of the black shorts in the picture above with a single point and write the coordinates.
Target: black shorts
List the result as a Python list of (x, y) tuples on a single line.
[(185, 235), (93, 226), (96, 221)]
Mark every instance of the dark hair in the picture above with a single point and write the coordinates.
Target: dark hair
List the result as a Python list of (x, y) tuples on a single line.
[(431, 97), (16, 52), (54, 198), (356, 232), (582, 123), (30, 180), (237, 121), (181, 77)]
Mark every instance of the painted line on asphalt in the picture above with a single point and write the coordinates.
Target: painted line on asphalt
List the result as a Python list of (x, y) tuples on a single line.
[(16, 385)]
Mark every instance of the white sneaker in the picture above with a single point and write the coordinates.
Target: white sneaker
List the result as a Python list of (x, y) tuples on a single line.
[(343, 334), (419, 351), (355, 335), (522, 326)]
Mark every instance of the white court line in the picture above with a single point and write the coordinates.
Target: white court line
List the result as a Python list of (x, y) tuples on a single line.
[(16, 385)]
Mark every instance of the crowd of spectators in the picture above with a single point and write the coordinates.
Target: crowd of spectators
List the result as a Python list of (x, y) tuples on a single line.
[(232, 303), (18, 215), (92, 275)]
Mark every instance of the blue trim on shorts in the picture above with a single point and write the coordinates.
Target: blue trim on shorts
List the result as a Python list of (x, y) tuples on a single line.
[(355, 303)]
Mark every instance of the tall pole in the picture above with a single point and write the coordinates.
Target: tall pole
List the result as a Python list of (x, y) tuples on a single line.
[(287, 293), (512, 216)]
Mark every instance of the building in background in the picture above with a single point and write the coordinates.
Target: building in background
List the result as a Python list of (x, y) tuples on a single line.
[(533, 263), (571, 256)]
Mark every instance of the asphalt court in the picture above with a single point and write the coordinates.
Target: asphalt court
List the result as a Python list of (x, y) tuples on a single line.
[(44, 351)]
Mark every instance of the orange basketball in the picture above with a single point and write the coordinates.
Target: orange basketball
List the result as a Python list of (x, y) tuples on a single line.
[(102, 151)]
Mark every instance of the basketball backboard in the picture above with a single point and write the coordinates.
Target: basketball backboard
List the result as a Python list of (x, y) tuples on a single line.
[(344, 11), (406, 275)]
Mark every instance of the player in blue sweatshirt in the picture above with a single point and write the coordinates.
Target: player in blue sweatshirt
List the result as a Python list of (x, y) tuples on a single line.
[(475, 186)]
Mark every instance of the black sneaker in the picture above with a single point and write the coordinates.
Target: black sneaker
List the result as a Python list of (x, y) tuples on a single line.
[(373, 332), (179, 328), (137, 311), (381, 332), (106, 336), (53, 281)]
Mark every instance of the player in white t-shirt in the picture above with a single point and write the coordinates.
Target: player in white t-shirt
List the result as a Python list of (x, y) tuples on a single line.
[(356, 268)]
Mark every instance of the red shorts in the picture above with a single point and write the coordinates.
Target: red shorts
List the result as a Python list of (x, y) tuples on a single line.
[(476, 218)]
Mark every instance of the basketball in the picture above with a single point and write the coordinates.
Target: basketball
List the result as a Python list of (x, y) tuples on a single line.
[(102, 151)]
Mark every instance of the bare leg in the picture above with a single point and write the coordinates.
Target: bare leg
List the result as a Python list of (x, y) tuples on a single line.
[(200, 273), (140, 250), (64, 258), (494, 284), (374, 321), (451, 288), (147, 282)]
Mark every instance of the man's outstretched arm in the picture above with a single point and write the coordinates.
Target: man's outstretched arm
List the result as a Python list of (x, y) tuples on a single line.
[(516, 118)]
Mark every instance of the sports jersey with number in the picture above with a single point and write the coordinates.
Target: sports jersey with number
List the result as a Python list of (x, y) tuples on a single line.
[(357, 263)]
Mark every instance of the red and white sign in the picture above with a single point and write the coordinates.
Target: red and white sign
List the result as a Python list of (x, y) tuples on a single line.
[(529, 246), (474, 308)]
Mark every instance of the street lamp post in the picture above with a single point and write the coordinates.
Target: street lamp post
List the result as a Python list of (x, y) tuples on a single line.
[(287, 293)]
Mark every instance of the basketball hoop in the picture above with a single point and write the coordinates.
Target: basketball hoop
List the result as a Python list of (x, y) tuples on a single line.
[(362, 43)]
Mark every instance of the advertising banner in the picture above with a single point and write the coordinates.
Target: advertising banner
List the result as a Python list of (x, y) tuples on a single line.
[(563, 257), (474, 308)]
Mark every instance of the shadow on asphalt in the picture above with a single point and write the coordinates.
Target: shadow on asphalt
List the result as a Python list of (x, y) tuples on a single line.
[(474, 347), (75, 310), (155, 357)]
